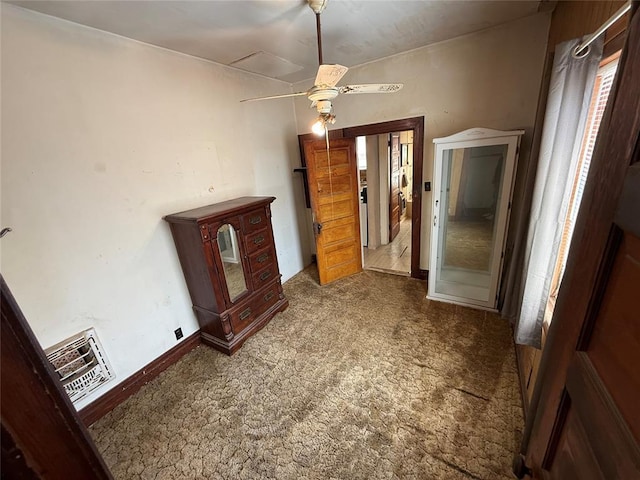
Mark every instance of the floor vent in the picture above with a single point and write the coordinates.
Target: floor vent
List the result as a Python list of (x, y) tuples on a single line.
[(80, 364)]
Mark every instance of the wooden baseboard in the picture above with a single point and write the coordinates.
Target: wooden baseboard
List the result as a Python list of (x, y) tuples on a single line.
[(114, 397)]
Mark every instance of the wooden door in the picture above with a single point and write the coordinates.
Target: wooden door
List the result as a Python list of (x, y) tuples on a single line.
[(586, 419), (42, 435), (395, 211), (599, 418), (333, 189)]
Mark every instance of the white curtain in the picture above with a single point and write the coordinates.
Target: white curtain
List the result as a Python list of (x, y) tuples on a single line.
[(572, 81)]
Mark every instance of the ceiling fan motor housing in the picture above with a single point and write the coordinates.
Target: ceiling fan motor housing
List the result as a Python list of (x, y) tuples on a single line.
[(323, 106), (321, 98)]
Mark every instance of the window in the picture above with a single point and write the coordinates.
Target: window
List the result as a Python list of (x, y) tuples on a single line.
[(601, 89)]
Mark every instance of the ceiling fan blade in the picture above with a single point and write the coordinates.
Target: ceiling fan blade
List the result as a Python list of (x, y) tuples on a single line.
[(285, 95), (329, 75), (372, 88)]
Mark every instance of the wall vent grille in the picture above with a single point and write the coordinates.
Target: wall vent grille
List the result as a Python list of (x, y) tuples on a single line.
[(80, 364)]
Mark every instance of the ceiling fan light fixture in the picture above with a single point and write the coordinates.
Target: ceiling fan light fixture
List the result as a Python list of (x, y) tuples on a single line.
[(318, 127)]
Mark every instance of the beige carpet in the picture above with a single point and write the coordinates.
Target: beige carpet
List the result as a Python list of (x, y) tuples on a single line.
[(469, 245), (361, 379)]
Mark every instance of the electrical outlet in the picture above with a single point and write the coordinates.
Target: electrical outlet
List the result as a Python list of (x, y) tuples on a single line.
[(178, 333)]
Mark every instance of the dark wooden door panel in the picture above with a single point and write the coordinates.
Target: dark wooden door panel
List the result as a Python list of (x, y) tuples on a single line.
[(573, 458), (593, 431), (615, 342)]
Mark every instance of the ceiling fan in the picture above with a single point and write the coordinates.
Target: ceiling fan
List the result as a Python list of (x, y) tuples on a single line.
[(324, 88)]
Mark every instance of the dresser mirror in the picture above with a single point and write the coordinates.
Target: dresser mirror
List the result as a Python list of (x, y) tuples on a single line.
[(230, 255)]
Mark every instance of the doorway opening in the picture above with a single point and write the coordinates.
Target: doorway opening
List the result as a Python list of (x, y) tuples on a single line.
[(413, 188), (385, 167)]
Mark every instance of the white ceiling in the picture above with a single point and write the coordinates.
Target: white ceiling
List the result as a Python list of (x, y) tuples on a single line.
[(353, 31)]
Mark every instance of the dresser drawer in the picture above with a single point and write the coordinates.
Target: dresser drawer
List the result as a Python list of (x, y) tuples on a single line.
[(264, 300), (264, 276), (261, 259), (245, 314), (255, 220), (242, 317), (256, 241)]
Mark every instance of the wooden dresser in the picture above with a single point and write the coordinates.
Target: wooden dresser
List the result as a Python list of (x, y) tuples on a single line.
[(229, 261)]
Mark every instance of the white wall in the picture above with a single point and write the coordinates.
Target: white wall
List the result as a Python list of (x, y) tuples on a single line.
[(373, 192), (384, 186), (101, 137), (487, 79)]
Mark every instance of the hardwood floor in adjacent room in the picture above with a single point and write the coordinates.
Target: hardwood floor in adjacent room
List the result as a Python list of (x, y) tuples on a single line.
[(394, 257), (363, 378)]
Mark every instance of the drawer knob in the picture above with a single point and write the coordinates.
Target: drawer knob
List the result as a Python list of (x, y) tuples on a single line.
[(265, 275), (268, 296), (245, 313), (255, 220), (263, 258), (258, 240)]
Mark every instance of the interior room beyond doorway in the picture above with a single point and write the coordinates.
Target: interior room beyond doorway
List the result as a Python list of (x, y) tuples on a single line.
[(385, 167)]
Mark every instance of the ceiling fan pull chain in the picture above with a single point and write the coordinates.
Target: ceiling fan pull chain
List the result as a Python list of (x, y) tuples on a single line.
[(326, 137)]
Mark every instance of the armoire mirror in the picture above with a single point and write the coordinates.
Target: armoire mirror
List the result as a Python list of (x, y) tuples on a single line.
[(473, 177), (230, 255)]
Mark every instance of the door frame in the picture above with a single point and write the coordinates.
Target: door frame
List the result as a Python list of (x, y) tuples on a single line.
[(589, 258), (415, 124)]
